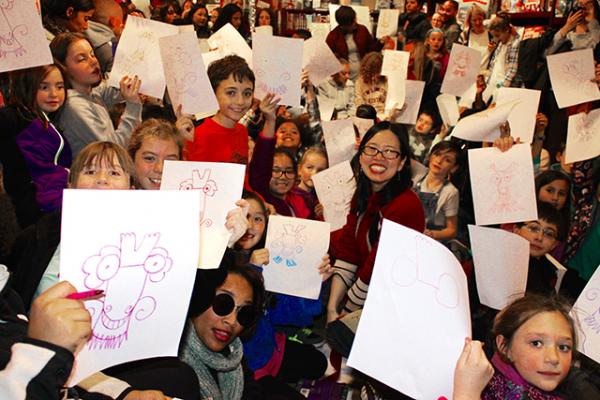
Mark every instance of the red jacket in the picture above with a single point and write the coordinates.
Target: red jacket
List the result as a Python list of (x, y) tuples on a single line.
[(336, 40)]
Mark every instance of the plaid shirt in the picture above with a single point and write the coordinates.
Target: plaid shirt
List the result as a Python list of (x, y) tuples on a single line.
[(511, 62)]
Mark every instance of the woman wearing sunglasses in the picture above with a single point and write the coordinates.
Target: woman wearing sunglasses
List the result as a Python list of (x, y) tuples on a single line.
[(383, 190), (225, 303)]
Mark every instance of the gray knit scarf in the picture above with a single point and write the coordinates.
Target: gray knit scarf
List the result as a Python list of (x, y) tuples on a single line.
[(228, 368)]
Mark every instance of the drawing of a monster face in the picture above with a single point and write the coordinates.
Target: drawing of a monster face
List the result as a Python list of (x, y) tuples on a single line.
[(123, 273), (280, 89), (6, 4)]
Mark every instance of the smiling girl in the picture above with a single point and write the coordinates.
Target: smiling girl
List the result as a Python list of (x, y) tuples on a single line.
[(35, 155), (435, 46), (85, 117)]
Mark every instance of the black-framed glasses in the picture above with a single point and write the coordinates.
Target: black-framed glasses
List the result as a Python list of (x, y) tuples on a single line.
[(536, 229), (223, 304), (289, 173), (388, 154)]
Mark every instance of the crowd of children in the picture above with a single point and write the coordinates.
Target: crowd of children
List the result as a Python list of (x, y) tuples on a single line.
[(63, 126)]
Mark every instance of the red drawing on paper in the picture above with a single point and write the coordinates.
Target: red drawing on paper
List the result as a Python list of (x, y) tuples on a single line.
[(123, 271), (504, 201), (460, 64), (9, 44), (289, 243), (573, 76), (407, 271), (279, 89), (585, 128), (201, 181)]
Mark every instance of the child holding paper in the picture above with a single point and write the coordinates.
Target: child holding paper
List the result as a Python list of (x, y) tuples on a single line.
[(421, 136), (35, 155), (222, 138), (371, 86), (435, 45), (438, 195), (269, 354), (85, 117), (534, 342)]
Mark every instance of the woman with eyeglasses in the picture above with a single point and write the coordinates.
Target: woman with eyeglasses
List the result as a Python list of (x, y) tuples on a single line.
[(383, 190), (225, 303)]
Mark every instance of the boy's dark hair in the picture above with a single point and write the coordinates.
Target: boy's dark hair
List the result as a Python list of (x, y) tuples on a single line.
[(453, 2), (287, 153), (303, 33), (234, 65), (551, 215), (345, 16), (446, 146), (500, 23), (366, 111)]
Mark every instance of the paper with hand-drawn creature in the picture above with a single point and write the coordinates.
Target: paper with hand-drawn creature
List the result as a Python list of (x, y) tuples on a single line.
[(412, 102), (387, 24), (23, 42), (227, 41), (138, 54), (572, 77), (502, 184), (448, 106), (484, 126), (296, 248), (501, 261), (319, 29), (133, 251), (395, 61), (417, 282), (363, 16), (462, 71), (319, 60), (340, 140), (186, 76), (522, 116), (264, 30), (276, 74), (583, 136), (586, 310), (335, 187), (220, 186)]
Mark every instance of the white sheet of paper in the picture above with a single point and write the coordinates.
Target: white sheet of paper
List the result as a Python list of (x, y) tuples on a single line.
[(412, 102), (136, 255), (326, 107), (210, 57), (319, 60), (363, 16), (264, 30), (418, 170), (276, 74), (335, 187), (396, 91), (138, 54), (502, 185), (319, 29), (522, 116), (221, 186), (186, 28), (448, 107), (387, 24), (186, 76), (418, 283), (362, 124), (587, 311), (395, 61), (583, 136), (571, 75), (501, 261), (463, 68), (340, 140), (228, 40), (561, 270), (296, 248), (23, 41), (484, 126)]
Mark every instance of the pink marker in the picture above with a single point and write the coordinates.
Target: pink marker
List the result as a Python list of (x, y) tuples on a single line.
[(87, 295)]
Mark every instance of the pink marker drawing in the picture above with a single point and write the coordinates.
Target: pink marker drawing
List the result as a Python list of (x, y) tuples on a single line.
[(201, 181), (123, 272)]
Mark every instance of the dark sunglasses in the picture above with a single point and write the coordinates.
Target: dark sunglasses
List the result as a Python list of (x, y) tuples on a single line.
[(223, 305)]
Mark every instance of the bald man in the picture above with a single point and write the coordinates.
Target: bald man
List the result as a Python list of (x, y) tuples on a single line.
[(104, 31)]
